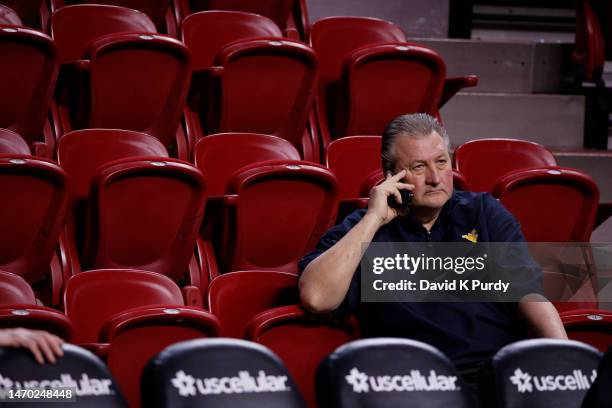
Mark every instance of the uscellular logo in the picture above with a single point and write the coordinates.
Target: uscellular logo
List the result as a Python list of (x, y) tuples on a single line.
[(415, 381), (526, 382), (190, 386), (83, 386)]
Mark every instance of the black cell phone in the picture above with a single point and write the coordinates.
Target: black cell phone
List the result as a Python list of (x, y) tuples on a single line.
[(406, 199)]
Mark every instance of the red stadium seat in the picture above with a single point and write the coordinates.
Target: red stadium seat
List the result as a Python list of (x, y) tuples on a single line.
[(74, 28), (381, 82), (352, 159), (15, 290), (144, 214), (12, 143), (9, 16), (81, 153), (552, 204), (135, 82), (159, 11), (483, 161), (27, 78), (146, 315), (236, 297), (34, 317), (278, 210), (333, 39), (248, 98), (205, 34), (302, 341), (32, 13), (208, 32), (593, 327), (34, 198), (86, 297), (220, 156), (290, 15)]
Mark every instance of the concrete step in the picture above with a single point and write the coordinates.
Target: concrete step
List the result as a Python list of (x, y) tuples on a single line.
[(556, 121), (504, 66)]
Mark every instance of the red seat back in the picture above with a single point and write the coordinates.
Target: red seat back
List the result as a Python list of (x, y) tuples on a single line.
[(74, 28), (27, 78), (281, 211), (92, 297), (138, 82), (483, 161), (207, 32), (15, 290), (552, 204), (333, 39), (34, 198), (12, 143), (144, 214), (236, 297), (156, 10), (250, 98), (352, 159), (289, 15), (302, 341), (381, 82), (220, 156), (28, 10), (8, 16)]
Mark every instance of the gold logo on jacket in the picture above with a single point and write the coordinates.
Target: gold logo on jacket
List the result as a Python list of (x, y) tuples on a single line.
[(472, 236)]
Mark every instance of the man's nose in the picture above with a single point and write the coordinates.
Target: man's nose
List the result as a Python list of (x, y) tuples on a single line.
[(432, 176)]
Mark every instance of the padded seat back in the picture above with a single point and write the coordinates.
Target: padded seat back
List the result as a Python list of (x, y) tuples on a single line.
[(77, 370), (185, 374), (15, 290), (540, 373), (389, 372)]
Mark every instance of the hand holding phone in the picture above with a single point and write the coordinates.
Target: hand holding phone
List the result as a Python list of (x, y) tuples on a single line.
[(406, 199)]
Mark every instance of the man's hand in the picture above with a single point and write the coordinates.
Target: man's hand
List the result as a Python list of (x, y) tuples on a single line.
[(44, 345), (378, 205)]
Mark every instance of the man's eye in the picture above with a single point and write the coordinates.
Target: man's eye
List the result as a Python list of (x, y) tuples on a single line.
[(418, 167)]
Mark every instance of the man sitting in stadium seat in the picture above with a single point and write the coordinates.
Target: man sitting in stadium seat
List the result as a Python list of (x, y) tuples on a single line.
[(415, 157)]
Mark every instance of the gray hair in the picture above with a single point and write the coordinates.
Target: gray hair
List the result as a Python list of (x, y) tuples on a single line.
[(412, 125)]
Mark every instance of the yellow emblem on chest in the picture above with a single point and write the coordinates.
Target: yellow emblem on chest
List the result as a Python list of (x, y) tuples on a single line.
[(472, 236)]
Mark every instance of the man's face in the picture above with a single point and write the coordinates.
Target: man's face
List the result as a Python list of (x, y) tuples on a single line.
[(428, 167)]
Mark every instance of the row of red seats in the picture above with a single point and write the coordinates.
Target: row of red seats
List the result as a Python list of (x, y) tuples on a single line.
[(130, 315), (116, 72), (124, 202), (290, 15), (147, 313)]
